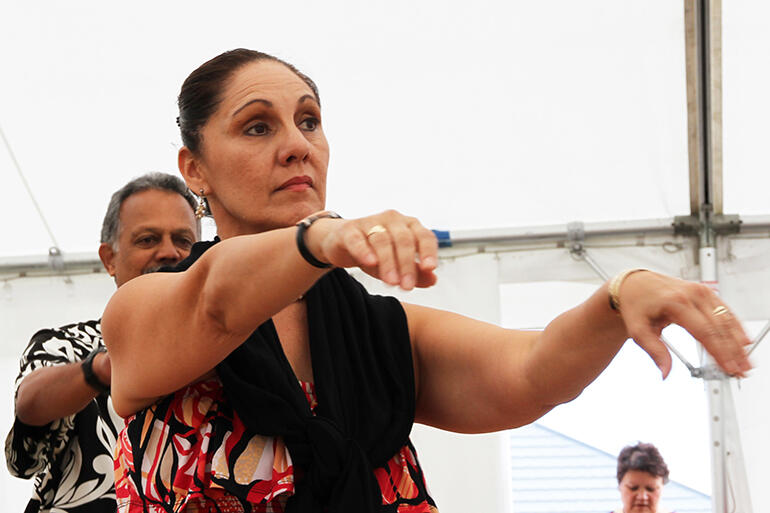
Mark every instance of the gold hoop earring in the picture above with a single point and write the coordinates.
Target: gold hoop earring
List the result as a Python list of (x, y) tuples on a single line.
[(200, 210)]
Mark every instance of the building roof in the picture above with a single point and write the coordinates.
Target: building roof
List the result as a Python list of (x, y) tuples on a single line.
[(553, 473)]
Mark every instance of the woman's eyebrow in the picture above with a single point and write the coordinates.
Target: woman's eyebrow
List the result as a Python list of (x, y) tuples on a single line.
[(268, 103), (305, 97)]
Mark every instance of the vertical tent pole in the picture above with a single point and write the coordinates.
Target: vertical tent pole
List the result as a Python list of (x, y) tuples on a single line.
[(703, 49)]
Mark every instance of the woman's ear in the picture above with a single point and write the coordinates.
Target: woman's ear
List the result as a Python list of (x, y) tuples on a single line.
[(190, 168)]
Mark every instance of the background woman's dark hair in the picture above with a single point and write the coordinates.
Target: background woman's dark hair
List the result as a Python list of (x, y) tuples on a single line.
[(201, 91), (644, 457)]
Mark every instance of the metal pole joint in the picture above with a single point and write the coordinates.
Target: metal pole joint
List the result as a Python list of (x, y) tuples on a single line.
[(718, 224), (709, 373)]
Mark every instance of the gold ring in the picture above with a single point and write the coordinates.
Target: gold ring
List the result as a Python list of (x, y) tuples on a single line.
[(377, 228), (720, 310)]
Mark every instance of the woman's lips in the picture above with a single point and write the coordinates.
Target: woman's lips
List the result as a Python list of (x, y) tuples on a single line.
[(297, 183)]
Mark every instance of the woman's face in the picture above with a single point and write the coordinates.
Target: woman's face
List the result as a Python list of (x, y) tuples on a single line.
[(640, 491), (263, 156)]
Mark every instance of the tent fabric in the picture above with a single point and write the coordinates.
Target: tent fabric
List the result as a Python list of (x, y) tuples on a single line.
[(467, 115)]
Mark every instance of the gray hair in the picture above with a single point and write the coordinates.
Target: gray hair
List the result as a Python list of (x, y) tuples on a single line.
[(158, 181)]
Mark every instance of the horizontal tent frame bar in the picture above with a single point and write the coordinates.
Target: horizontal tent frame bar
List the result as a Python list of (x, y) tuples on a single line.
[(624, 232), (562, 233)]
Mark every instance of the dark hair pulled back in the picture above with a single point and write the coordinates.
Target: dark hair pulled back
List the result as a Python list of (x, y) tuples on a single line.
[(643, 457), (201, 92)]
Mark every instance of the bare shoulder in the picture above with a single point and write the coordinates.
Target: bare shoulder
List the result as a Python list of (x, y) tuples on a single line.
[(141, 287), (417, 316), (139, 300)]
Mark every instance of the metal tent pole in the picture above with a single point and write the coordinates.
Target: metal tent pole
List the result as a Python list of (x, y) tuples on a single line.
[(703, 46), (715, 386)]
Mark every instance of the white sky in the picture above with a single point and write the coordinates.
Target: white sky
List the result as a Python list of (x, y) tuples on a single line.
[(465, 114)]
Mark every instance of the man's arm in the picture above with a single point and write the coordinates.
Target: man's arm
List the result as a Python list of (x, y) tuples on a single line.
[(53, 392), (49, 353)]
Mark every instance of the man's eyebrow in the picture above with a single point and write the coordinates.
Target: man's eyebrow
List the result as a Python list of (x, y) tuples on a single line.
[(256, 100), (150, 229)]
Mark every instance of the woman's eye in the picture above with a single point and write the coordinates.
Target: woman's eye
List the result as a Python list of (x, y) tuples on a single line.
[(309, 124), (258, 129)]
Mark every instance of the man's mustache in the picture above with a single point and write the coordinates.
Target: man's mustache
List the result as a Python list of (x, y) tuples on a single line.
[(155, 268)]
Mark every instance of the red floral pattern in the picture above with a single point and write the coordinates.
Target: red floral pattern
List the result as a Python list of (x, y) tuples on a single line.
[(189, 443)]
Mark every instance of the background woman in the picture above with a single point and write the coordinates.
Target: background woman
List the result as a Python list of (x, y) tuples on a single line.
[(641, 476), (290, 385)]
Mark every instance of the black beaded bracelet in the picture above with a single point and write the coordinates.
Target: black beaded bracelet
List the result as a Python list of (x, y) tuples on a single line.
[(302, 227)]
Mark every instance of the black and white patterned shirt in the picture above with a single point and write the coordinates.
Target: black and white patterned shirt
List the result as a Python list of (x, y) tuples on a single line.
[(71, 458)]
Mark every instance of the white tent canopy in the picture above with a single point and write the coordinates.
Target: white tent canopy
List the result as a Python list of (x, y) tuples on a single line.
[(474, 117)]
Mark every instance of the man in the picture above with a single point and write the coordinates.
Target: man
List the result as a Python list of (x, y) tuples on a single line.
[(65, 426)]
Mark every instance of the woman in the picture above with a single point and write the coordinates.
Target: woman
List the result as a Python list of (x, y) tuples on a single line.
[(291, 387), (641, 476)]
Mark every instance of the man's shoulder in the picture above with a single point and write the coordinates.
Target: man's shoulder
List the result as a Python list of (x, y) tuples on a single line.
[(79, 338), (77, 330)]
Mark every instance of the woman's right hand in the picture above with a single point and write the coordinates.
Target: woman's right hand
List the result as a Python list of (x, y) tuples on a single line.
[(394, 248)]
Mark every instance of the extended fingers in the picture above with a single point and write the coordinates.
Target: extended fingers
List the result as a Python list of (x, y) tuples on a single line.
[(731, 338), (652, 301), (716, 328), (649, 339)]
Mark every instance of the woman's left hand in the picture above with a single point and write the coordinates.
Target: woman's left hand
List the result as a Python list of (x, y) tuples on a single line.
[(650, 301)]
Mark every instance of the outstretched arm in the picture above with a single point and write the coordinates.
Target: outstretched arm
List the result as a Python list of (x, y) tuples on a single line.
[(475, 377), (166, 330)]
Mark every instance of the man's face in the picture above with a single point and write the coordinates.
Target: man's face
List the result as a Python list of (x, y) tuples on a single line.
[(156, 228)]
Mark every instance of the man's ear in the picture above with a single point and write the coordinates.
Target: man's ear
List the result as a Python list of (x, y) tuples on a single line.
[(190, 167), (107, 256)]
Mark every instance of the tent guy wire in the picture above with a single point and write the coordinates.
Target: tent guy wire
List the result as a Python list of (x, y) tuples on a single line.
[(31, 194)]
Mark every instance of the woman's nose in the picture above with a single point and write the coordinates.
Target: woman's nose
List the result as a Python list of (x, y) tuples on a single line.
[(296, 147)]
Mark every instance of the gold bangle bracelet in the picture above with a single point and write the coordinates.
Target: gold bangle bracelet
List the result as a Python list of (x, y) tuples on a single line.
[(614, 287)]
